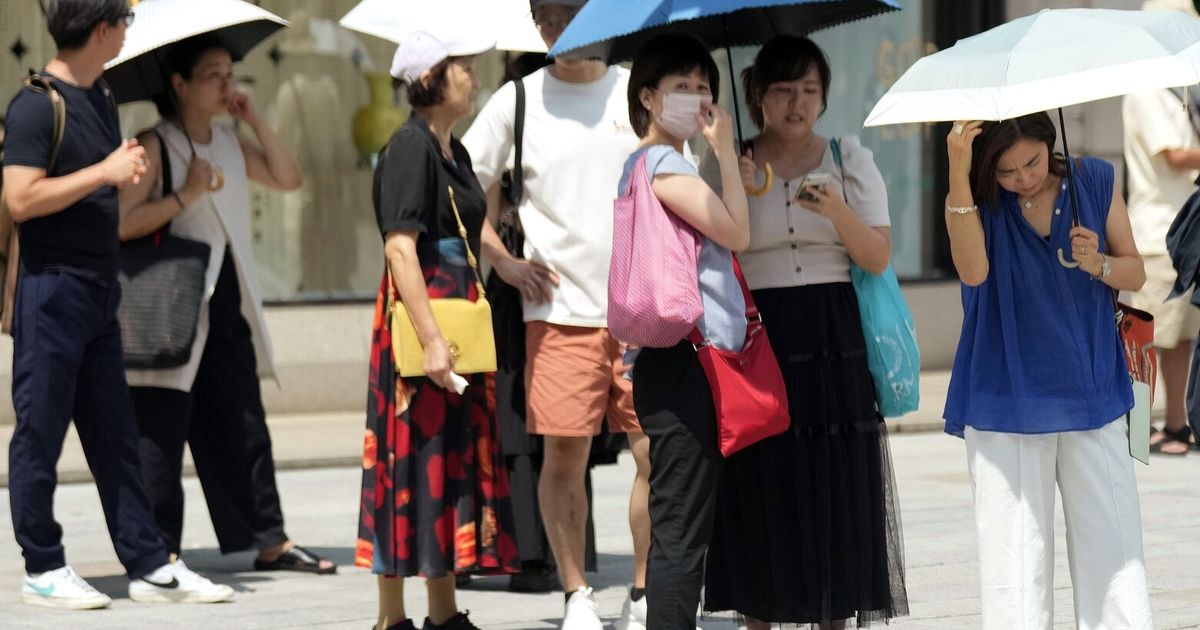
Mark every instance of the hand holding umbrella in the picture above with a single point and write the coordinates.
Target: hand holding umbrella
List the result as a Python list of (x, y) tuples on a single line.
[(1085, 248)]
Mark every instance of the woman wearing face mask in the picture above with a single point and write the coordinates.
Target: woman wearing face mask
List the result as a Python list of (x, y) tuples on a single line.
[(808, 526), (213, 402), (671, 88)]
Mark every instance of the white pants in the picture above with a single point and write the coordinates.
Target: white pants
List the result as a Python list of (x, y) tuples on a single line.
[(1013, 477)]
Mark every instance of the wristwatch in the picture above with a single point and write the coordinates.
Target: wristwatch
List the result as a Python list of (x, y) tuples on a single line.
[(1105, 267)]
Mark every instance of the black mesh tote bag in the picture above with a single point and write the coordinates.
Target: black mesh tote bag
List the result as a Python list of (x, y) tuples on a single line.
[(162, 288)]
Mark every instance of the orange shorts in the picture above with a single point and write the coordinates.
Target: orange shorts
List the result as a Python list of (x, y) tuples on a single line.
[(572, 382)]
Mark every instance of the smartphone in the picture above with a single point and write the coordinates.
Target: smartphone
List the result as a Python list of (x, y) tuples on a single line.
[(820, 180)]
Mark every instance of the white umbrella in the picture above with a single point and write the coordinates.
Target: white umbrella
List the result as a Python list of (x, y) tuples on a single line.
[(138, 72), (393, 19), (1051, 59)]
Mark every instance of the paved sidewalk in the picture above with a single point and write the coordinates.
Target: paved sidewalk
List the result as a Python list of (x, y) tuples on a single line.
[(321, 508)]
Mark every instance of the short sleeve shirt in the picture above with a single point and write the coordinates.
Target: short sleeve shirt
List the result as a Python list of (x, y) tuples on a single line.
[(576, 137), (411, 190), (82, 238), (791, 245), (1155, 122), (723, 323)]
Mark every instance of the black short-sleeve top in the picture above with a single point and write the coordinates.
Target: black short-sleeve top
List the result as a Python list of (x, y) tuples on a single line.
[(82, 238), (411, 190)]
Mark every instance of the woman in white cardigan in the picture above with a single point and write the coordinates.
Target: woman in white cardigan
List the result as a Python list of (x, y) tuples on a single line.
[(213, 402)]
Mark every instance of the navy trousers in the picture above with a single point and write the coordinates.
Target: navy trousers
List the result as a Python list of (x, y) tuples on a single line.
[(67, 363)]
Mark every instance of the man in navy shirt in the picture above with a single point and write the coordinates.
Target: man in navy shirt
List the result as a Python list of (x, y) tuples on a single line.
[(67, 359)]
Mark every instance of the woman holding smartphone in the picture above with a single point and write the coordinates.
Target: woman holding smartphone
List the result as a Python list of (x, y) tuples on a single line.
[(808, 527)]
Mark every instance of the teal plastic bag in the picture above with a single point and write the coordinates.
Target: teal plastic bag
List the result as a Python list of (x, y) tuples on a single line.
[(892, 353)]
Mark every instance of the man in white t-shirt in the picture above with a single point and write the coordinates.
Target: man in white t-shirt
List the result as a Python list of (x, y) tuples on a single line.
[(1162, 158), (576, 138)]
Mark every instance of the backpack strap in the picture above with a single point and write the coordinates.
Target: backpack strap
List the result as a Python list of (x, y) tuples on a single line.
[(44, 84), (517, 178)]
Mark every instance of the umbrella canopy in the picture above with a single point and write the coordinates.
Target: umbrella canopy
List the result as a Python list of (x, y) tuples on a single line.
[(138, 73), (615, 30), (393, 19), (1051, 59)]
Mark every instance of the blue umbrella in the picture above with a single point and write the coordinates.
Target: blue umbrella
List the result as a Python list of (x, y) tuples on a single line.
[(614, 30)]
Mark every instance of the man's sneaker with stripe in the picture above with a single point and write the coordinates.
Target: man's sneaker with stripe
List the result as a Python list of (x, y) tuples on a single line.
[(175, 583), (62, 588)]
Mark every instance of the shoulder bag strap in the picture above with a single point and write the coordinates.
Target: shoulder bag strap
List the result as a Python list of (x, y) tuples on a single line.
[(835, 147), (168, 184), (462, 233)]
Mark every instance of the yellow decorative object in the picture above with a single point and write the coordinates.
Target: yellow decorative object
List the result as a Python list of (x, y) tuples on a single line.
[(375, 121), (218, 179), (767, 181)]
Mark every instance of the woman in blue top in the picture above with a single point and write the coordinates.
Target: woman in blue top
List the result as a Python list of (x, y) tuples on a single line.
[(1040, 388), (672, 85)]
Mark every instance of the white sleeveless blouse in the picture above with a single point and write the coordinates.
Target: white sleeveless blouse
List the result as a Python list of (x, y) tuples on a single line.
[(221, 219)]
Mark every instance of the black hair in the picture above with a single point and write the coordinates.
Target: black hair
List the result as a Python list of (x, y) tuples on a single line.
[(421, 95), (998, 137), (665, 55), (783, 58), (71, 22), (181, 58)]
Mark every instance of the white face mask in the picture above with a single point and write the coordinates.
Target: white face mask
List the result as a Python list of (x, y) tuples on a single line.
[(679, 110)]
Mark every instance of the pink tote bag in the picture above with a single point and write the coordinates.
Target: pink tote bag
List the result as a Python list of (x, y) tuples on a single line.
[(653, 288)]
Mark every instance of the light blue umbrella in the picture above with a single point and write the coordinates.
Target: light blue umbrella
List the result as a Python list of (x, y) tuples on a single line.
[(614, 30)]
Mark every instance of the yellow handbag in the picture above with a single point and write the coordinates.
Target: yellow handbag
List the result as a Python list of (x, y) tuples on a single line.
[(466, 325)]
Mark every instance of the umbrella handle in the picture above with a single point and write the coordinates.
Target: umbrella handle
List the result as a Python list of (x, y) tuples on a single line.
[(1062, 260)]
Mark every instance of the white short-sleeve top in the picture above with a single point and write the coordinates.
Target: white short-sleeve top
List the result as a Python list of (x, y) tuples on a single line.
[(793, 246)]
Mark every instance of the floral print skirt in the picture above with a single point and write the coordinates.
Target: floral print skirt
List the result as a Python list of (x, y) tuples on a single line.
[(435, 494)]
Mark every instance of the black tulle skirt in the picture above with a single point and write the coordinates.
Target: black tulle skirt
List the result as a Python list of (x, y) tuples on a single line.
[(808, 523)]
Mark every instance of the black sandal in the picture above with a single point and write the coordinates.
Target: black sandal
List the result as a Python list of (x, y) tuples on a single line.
[(1182, 436), (296, 559)]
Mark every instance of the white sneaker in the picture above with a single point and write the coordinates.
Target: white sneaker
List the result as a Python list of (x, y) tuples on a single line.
[(62, 588), (174, 582), (633, 614), (582, 611)]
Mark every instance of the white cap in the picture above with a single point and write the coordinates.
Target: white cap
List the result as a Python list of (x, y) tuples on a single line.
[(425, 48)]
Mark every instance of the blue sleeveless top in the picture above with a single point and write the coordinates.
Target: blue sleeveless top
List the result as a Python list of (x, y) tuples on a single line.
[(1039, 350)]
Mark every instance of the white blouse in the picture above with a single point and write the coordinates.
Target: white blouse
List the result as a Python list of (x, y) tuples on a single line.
[(221, 219), (793, 246)]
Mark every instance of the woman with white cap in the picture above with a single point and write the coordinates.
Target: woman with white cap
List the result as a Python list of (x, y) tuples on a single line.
[(432, 504)]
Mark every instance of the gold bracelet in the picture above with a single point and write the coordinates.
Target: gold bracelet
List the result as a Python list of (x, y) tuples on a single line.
[(962, 209)]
